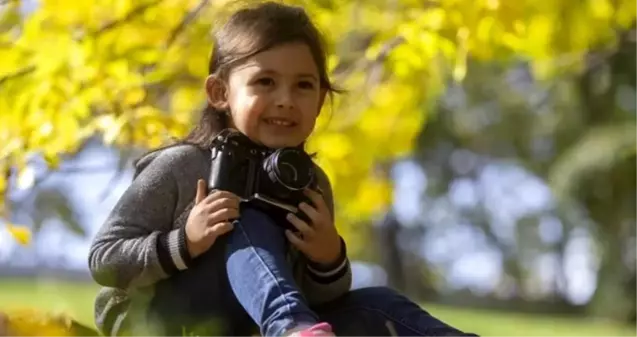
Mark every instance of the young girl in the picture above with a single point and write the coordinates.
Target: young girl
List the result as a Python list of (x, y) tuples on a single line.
[(170, 255)]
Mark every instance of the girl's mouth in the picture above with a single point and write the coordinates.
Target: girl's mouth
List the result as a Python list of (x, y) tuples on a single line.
[(279, 122)]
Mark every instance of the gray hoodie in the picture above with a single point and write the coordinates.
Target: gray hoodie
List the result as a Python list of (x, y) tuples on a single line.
[(142, 240)]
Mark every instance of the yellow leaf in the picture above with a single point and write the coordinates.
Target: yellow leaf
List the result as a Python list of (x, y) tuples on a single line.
[(602, 9), (111, 126), (332, 62), (333, 146), (434, 18), (134, 96), (28, 322), (184, 98), (22, 234), (118, 69), (52, 160), (460, 68)]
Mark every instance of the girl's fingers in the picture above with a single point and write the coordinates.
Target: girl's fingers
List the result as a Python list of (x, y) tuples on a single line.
[(217, 194), (219, 229), (317, 200), (311, 213), (223, 215), (222, 203), (296, 241), (201, 191), (301, 225)]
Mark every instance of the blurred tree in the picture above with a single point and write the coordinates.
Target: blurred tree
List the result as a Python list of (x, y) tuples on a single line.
[(489, 137), (599, 171), (131, 73), (575, 133)]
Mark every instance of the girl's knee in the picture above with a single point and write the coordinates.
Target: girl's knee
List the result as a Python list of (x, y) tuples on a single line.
[(384, 299)]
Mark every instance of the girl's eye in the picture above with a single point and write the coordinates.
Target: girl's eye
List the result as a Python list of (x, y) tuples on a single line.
[(266, 81), (306, 85)]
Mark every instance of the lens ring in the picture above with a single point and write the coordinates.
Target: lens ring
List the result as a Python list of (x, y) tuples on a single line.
[(304, 163)]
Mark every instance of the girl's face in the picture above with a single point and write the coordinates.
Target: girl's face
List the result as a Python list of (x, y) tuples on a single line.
[(274, 97)]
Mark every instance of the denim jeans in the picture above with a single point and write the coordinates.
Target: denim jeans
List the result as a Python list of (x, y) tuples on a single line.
[(244, 284)]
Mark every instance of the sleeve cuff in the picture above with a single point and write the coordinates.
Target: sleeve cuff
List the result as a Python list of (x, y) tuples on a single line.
[(173, 251), (332, 272)]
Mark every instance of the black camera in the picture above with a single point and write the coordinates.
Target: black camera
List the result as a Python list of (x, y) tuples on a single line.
[(271, 180)]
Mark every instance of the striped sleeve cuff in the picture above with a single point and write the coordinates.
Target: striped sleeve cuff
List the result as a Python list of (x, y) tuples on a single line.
[(173, 251), (331, 273), (114, 320), (119, 323)]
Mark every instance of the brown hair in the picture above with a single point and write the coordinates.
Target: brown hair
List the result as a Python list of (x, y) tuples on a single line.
[(247, 32)]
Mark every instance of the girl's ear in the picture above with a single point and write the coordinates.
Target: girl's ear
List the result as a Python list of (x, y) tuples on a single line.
[(217, 93)]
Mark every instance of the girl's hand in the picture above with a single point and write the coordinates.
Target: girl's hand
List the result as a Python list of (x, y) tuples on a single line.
[(210, 218), (319, 240)]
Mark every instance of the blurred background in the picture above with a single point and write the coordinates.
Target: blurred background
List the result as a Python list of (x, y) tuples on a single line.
[(482, 156)]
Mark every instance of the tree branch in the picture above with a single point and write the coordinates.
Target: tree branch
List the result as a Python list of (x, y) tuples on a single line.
[(137, 11), (191, 15), (19, 73), (38, 180), (20, 202), (109, 26), (374, 70), (86, 169), (6, 2)]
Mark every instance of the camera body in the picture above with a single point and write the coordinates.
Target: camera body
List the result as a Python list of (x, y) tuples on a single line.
[(271, 180)]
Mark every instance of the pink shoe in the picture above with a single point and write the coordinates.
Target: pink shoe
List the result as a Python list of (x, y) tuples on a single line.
[(318, 330)]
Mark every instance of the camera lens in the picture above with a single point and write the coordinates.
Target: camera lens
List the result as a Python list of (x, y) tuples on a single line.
[(290, 167)]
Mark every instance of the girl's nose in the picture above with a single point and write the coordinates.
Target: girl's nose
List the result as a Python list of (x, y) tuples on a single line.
[(284, 98)]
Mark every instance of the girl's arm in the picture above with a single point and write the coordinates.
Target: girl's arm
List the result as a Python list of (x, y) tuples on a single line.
[(137, 245), (325, 283)]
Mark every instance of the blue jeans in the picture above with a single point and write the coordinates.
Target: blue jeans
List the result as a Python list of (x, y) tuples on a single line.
[(244, 284)]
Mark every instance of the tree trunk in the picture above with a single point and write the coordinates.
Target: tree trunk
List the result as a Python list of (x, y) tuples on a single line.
[(610, 299), (607, 196), (615, 215), (391, 258)]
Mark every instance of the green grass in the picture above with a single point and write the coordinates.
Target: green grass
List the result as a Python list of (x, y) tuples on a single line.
[(76, 299), (73, 298), (496, 323)]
